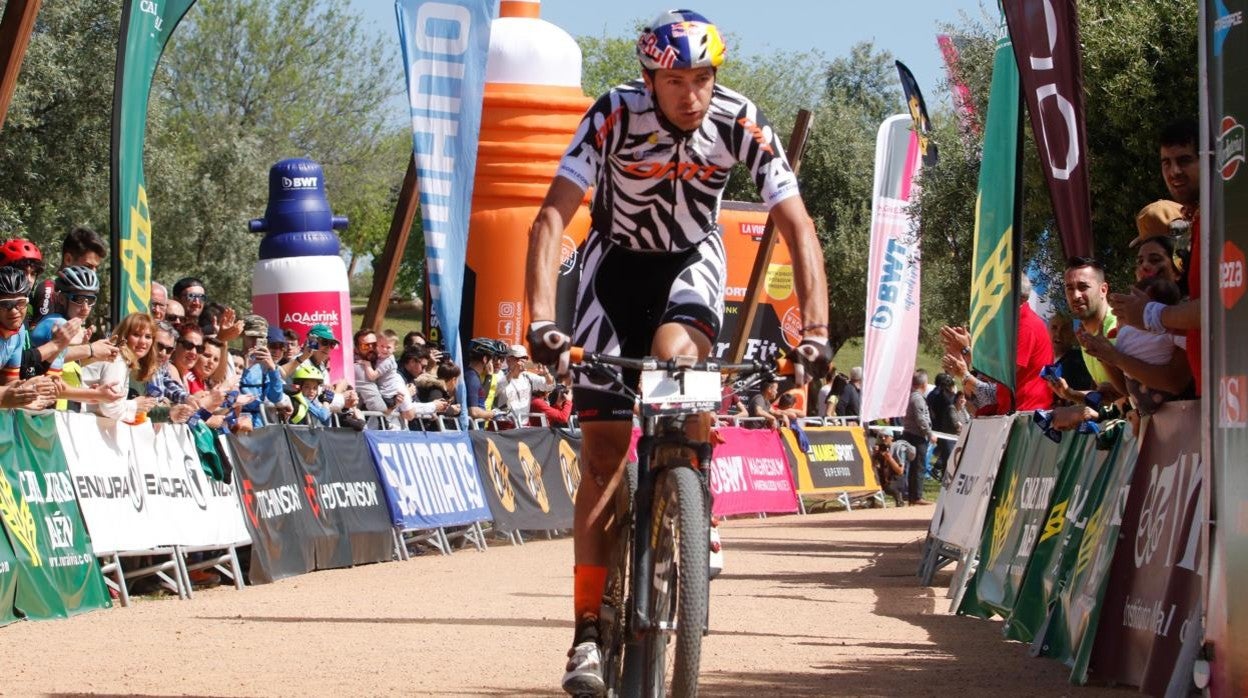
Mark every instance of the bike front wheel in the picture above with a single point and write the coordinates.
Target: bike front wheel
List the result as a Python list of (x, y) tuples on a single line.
[(678, 584)]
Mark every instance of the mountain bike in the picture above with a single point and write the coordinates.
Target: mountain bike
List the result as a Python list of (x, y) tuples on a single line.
[(657, 592)]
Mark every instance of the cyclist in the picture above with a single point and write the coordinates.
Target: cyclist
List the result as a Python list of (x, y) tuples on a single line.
[(657, 152)]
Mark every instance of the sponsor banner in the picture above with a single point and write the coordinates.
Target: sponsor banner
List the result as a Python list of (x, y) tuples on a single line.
[(1224, 223), (836, 462), (140, 490), (1046, 45), (57, 575), (969, 478), (994, 274), (1081, 586), (1153, 603), (204, 511), (528, 476), (279, 519), (108, 482), (1083, 467), (892, 322), (778, 320), (445, 45), (963, 102), (1021, 496), (430, 479), (750, 474), (344, 495), (146, 26), (8, 582), (918, 115)]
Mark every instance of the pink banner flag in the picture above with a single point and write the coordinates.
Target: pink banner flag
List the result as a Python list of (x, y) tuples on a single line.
[(892, 326), (750, 473)]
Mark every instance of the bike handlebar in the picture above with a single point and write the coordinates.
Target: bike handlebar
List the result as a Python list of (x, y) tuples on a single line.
[(582, 359)]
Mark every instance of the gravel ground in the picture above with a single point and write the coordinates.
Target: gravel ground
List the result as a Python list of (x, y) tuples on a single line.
[(819, 605)]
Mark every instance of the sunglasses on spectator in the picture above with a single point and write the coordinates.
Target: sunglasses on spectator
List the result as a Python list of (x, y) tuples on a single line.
[(191, 346), (194, 296), (164, 348), (82, 299), (13, 304), (174, 319)]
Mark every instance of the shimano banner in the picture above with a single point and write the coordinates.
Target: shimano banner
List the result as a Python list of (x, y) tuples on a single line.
[(430, 478), (57, 575), (283, 528), (531, 477), (445, 45), (344, 496)]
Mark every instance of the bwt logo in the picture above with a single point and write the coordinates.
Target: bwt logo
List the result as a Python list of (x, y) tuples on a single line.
[(299, 182)]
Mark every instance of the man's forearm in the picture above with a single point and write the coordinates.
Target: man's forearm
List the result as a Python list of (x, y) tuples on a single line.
[(798, 231), (1183, 316), (545, 235)]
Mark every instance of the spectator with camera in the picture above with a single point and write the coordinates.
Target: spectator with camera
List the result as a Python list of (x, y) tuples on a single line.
[(888, 457), (555, 404), (260, 375)]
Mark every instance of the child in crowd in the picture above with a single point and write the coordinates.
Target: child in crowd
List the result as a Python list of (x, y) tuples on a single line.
[(310, 408), (384, 372)]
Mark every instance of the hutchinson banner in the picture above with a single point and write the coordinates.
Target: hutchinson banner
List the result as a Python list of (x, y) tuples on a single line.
[(1150, 624), (146, 26), (750, 474), (57, 575), (836, 461), (445, 45), (994, 274), (892, 323), (531, 476), (430, 478)]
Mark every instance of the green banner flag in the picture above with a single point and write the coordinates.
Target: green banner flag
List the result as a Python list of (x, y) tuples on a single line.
[(145, 29), (1080, 588), (8, 581), (57, 575), (1085, 469), (994, 290), (1021, 497)]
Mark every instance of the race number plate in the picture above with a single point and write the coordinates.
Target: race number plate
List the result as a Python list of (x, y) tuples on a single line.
[(679, 392)]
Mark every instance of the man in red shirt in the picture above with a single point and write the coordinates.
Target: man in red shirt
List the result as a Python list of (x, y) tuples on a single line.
[(1035, 351), (1180, 168)]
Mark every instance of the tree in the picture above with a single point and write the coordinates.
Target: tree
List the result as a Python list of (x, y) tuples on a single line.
[(246, 83)]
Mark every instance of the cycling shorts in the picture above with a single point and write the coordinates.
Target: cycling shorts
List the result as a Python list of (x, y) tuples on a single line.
[(623, 298)]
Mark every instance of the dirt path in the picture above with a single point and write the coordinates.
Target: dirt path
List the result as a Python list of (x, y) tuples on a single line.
[(808, 606)]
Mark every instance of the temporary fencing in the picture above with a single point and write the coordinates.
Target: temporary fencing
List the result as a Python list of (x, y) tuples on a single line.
[(1050, 559)]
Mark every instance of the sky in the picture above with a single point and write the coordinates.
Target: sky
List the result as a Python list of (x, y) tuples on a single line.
[(906, 28)]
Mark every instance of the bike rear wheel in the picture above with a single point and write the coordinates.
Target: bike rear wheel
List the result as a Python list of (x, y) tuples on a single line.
[(679, 586)]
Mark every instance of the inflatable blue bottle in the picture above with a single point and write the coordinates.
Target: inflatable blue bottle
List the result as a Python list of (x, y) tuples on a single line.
[(300, 280)]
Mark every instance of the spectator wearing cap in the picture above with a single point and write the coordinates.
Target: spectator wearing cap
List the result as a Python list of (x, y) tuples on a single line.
[(81, 247), (850, 404), (318, 344), (261, 376), (519, 384), (159, 303)]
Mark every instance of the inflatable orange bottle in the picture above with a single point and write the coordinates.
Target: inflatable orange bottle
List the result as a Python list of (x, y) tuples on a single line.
[(533, 103)]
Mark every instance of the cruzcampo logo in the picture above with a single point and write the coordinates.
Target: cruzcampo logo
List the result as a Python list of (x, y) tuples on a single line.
[(1003, 520), (20, 520), (1230, 147)]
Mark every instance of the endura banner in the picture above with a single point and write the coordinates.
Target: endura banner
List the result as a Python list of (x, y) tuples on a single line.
[(972, 471), (430, 478), (750, 473), (530, 476)]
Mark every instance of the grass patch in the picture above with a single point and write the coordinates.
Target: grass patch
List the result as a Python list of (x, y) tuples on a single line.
[(851, 354)]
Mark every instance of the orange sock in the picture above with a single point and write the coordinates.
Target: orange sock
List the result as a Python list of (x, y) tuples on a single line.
[(588, 583)]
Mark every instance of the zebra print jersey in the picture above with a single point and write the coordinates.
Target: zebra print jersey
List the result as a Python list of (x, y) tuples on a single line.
[(657, 188)]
